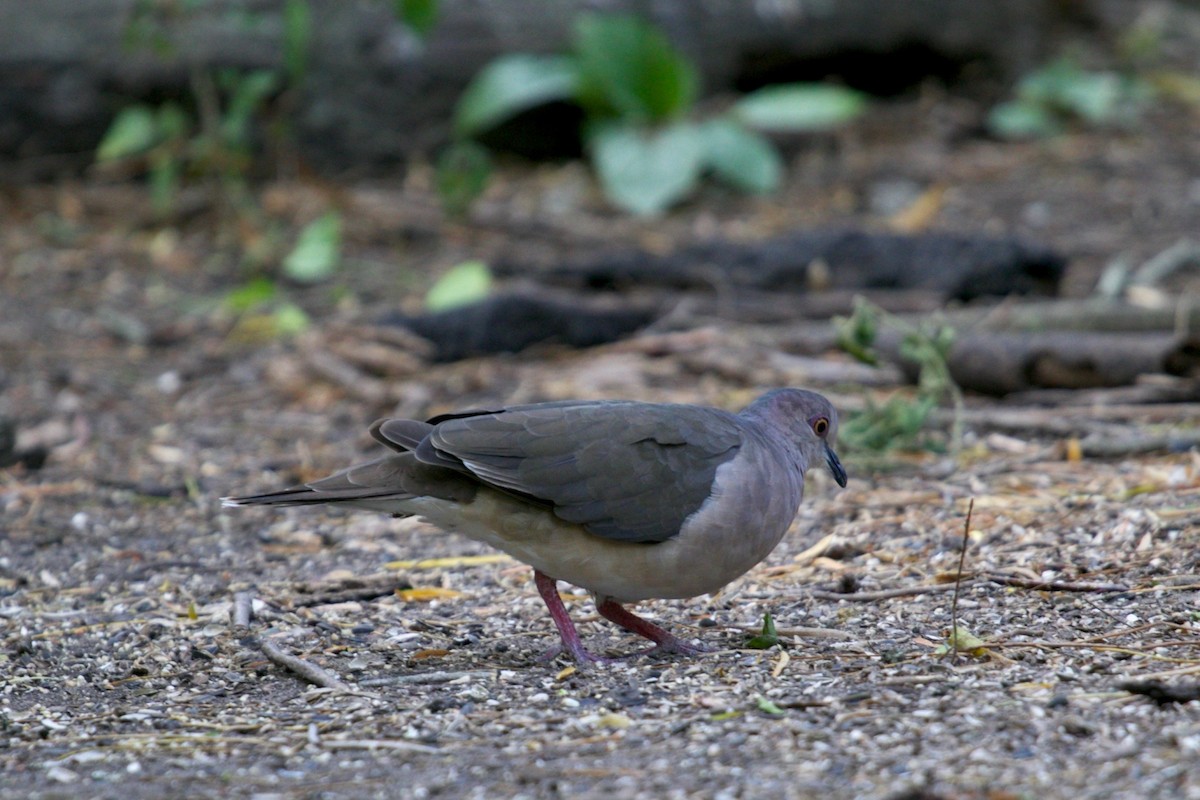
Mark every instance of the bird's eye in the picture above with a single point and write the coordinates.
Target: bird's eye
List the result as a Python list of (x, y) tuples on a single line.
[(820, 426)]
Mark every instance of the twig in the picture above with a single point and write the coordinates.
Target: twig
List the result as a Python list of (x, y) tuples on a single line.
[(305, 669), (962, 558), (377, 744), (243, 604), (423, 677), (807, 633), (1053, 586), (887, 594)]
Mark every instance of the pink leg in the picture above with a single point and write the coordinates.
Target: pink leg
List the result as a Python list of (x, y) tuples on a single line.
[(548, 588), (664, 641)]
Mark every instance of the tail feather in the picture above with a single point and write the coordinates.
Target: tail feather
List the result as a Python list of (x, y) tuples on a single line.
[(305, 496), (382, 485)]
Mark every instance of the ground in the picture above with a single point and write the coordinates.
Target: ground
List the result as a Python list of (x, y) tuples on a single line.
[(123, 675)]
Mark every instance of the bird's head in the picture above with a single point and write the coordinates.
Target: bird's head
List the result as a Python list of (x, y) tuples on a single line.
[(809, 421)]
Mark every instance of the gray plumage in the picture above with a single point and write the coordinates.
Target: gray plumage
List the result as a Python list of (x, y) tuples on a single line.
[(628, 500)]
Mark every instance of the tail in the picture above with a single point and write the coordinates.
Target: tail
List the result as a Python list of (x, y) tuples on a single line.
[(308, 496), (381, 485)]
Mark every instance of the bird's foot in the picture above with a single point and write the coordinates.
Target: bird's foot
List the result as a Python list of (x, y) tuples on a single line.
[(580, 655), (665, 642), (674, 646)]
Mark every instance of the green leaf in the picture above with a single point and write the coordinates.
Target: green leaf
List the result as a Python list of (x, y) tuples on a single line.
[(420, 15), (463, 170), (248, 93), (645, 171), (767, 707), (512, 84), (768, 638), (173, 121), (134, 131), (290, 320), (250, 295), (317, 251), (856, 333), (297, 34), (629, 69), (1021, 119), (799, 107), (469, 282), (962, 641), (741, 158), (165, 177)]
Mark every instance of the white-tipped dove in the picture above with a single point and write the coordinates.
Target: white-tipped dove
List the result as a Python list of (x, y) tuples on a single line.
[(628, 500)]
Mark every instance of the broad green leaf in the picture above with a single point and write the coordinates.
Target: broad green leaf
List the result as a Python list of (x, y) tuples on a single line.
[(512, 84), (629, 69), (420, 15), (134, 131), (469, 282), (741, 158), (799, 107), (317, 251), (645, 171), (463, 170), (297, 33)]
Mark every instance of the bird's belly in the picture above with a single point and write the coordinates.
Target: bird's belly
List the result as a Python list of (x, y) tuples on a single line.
[(698, 561)]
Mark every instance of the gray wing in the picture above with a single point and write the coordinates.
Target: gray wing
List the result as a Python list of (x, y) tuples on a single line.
[(625, 471)]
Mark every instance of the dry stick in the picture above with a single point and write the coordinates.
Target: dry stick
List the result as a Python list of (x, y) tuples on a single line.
[(425, 677), (886, 594), (958, 578), (305, 669), (243, 603), (1053, 586)]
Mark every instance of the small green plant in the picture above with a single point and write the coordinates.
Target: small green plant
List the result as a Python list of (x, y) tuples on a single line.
[(899, 424), (211, 135), (638, 94), (175, 144), (768, 638), (1053, 97), (261, 314)]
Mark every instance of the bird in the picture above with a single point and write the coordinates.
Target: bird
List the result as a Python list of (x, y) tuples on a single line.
[(628, 500)]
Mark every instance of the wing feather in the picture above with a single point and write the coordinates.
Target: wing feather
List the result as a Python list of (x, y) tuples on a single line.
[(623, 470)]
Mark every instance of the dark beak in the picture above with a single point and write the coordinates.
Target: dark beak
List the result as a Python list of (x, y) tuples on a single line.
[(835, 466)]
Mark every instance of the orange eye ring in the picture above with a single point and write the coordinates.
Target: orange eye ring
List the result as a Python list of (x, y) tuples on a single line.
[(820, 426)]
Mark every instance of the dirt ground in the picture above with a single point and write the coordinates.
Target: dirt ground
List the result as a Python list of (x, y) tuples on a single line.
[(122, 675)]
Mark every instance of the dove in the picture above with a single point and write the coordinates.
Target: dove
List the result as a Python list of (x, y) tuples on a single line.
[(628, 500)]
